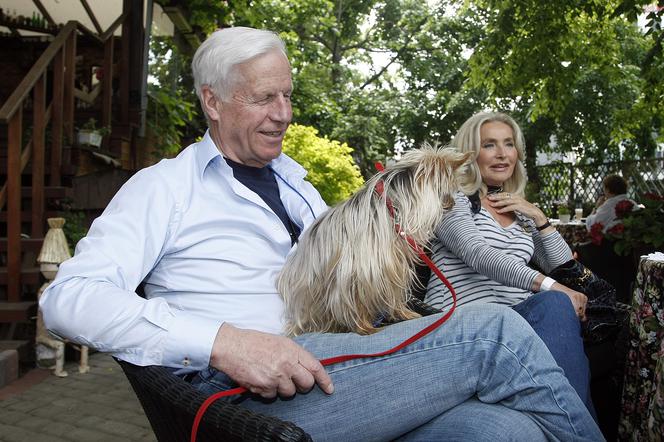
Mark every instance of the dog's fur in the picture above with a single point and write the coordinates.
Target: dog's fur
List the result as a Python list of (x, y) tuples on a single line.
[(351, 268)]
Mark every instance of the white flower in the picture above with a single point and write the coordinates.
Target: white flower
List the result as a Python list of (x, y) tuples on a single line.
[(651, 337)]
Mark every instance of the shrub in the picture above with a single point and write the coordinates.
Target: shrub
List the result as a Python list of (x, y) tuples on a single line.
[(331, 168)]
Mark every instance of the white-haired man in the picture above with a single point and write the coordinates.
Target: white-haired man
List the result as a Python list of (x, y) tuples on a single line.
[(208, 231)]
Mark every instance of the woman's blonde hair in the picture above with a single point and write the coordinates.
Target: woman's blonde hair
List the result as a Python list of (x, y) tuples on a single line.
[(468, 139)]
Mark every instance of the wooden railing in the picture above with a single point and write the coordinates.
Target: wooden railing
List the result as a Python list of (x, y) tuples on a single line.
[(59, 58)]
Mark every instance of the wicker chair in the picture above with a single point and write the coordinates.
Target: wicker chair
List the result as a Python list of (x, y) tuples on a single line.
[(171, 403)]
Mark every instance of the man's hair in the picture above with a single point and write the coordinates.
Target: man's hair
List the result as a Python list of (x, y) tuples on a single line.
[(468, 139), (215, 61), (615, 184)]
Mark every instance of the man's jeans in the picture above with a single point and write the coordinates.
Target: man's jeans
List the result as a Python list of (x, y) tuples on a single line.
[(484, 360), (551, 314)]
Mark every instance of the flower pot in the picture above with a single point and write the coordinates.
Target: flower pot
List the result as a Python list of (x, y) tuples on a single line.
[(89, 138), (564, 217)]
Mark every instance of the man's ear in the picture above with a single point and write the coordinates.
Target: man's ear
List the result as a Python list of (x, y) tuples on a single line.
[(211, 104)]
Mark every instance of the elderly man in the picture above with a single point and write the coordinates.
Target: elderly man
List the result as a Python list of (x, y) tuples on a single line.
[(208, 231)]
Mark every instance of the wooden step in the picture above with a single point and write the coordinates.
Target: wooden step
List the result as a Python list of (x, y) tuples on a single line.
[(26, 216), (12, 344), (17, 311), (65, 169), (29, 275), (49, 192), (27, 244)]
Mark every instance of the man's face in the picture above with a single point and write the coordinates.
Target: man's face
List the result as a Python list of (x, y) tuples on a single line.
[(250, 127)]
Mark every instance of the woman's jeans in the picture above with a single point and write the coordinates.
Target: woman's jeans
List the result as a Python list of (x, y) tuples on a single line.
[(551, 314), (483, 360)]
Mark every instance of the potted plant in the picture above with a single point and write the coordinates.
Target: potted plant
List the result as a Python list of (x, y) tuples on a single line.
[(563, 213), (641, 229), (90, 135)]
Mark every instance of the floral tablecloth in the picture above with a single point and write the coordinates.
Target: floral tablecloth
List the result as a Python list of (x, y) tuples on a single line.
[(642, 415), (573, 232)]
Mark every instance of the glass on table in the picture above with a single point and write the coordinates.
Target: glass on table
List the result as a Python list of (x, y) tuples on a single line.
[(578, 213)]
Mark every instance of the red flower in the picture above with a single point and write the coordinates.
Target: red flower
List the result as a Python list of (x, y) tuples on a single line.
[(617, 230), (623, 208), (596, 235), (653, 196)]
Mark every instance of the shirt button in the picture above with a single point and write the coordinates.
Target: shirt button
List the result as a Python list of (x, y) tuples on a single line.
[(186, 362)]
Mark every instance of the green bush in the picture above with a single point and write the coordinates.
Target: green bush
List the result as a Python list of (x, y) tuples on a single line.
[(331, 168)]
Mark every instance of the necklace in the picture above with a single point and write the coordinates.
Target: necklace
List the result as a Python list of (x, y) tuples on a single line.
[(490, 190)]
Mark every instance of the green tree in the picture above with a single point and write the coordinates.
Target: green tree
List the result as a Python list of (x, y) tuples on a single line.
[(173, 115), (580, 73), (329, 163), (578, 65)]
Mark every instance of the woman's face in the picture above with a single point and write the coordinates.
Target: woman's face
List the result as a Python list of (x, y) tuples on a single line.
[(498, 154)]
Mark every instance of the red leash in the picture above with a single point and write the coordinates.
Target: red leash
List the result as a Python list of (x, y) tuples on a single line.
[(342, 358)]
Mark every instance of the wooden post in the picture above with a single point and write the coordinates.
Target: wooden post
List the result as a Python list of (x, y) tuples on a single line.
[(124, 65), (68, 97), (107, 82), (56, 117), (14, 206), (38, 154)]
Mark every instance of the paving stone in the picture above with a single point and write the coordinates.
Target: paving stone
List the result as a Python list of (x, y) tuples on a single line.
[(33, 423), (25, 406), (87, 435), (8, 367), (60, 429), (11, 433), (4, 403), (10, 417), (98, 406)]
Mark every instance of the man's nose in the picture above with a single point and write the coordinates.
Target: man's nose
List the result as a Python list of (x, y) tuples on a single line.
[(281, 110)]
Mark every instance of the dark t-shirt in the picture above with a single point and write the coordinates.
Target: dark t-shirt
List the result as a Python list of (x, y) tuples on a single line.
[(261, 180)]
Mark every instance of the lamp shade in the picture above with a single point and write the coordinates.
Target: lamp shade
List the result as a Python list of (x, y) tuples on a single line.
[(55, 249)]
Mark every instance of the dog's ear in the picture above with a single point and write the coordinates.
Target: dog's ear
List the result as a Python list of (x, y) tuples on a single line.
[(460, 159)]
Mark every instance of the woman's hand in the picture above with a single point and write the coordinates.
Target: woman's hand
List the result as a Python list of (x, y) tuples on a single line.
[(505, 202)]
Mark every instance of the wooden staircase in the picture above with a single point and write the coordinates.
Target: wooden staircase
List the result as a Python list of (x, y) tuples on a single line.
[(38, 157)]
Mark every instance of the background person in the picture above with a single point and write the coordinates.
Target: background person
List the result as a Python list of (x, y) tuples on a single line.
[(207, 233), (485, 243), (614, 188)]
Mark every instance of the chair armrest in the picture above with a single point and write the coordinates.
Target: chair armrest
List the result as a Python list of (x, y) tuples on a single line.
[(170, 403)]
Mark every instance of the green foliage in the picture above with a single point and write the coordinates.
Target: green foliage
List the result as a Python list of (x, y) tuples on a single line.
[(91, 125), (578, 65), (172, 114), (382, 75), (75, 227), (641, 229), (169, 114), (329, 163)]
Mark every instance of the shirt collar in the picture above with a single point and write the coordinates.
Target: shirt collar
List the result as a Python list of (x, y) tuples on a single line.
[(207, 151)]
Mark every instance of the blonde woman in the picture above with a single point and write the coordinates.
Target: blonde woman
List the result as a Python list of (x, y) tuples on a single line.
[(484, 246)]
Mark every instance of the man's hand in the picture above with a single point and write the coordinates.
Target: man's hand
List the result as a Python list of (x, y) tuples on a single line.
[(266, 364)]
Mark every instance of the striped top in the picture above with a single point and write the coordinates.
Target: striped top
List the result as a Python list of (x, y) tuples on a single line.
[(486, 262)]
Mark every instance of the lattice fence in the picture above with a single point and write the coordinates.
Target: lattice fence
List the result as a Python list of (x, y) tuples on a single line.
[(564, 183)]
